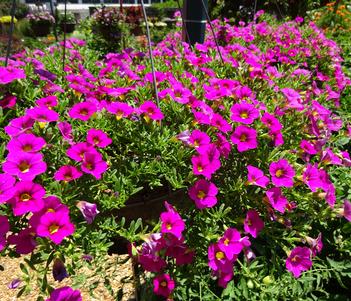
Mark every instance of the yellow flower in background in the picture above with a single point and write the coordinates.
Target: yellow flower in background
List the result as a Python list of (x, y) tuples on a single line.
[(7, 20)]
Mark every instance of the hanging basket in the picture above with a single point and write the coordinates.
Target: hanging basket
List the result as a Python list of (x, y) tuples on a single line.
[(40, 29), (108, 33), (70, 27)]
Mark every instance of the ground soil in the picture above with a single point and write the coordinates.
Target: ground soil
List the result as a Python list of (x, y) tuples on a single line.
[(119, 271)]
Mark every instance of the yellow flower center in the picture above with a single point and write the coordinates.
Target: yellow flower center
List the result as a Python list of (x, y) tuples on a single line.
[(279, 173), (243, 138), (27, 148), (83, 112), (244, 115), (226, 242), (163, 283), (24, 166), (168, 226), (25, 197), (201, 195), (54, 228), (219, 255)]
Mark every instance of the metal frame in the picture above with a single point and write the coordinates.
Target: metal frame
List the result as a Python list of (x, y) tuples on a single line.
[(136, 2)]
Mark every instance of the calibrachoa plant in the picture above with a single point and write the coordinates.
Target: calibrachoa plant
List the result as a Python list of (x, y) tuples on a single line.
[(254, 145)]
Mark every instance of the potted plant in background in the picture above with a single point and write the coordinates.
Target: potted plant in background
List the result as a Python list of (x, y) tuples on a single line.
[(70, 22), (134, 16), (40, 23), (5, 22)]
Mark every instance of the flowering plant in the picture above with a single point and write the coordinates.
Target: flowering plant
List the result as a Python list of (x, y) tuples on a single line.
[(250, 156), (41, 17)]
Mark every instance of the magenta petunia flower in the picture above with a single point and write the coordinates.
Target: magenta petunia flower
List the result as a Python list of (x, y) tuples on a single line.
[(10, 74), (224, 147), (82, 111), (77, 151), (94, 164), (65, 130), (25, 166), (28, 197), (230, 243), (245, 138), (4, 228), (217, 259), (49, 101), (312, 178), (98, 138), (271, 122), (27, 143), (151, 111), (55, 226), (172, 223), (19, 126), (120, 109), (218, 121), (59, 271), (42, 114), (25, 241), (316, 245), (198, 139), (149, 255), (282, 173), (298, 261), (8, 101), (277, 199), (203, 193), (224, 278), (67, 173), (89, 211), (65, 294), (7, 183), (253, 224), (202, 166), (163, 285), (346, 211), (256, 177), (244, 112)]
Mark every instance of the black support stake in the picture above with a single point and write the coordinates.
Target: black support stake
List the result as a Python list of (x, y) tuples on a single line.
[(12, 26), (64, 38), (54, 16)]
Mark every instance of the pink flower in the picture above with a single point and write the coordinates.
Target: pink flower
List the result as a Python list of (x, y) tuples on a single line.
[(55, 226), (7, 183), (220, 123), (49, 101), (312, 177), (163, 285), (244, 112), (308, 147), (10, 74), (89, 211), (42, 114), (316, 245), (28, 197), (277, 199), (120, 109), (4, 228), (65, 130), (25, 166), (271, 122), (65, 294), (282, 173), (253, 223), (151, 111), (202, 166), (223, 145), (28, 143), (245, 138), (82, 111), (230, 243), (25, 241), (172, 223), (149, 256), (346, 212), (77, 151), (217, 259), (298, 261), (8, 101), (198, 139), (94, 164), (203, 193), (224, 278), (67, 173), (19, 125), (256, 177), (98, 138)]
